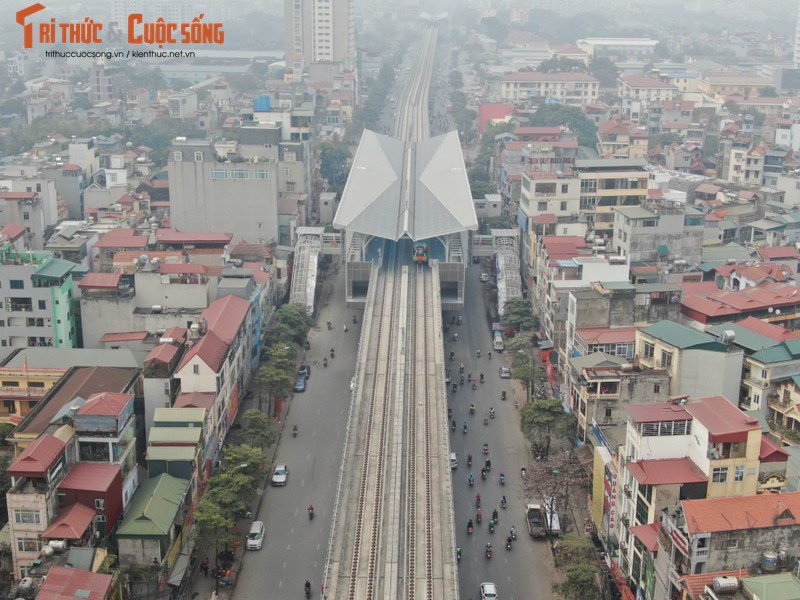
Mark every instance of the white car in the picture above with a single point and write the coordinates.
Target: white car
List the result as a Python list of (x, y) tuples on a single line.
[(505, 373), (484, 277), (280, 475), (488, 591)]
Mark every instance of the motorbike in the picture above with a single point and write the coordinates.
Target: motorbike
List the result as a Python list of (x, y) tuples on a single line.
[(491, 413), (469, 526), (329, 325), (523, 471), (483, 474), (478, 353), (491, 525), (472, 408), (310, 513), (462, 380), (308, 589), (455, 336), (479, 516), (332, 353), (458, 554), (294, 431), (488, 465), (308, 345), (503, 395), (513, 533), (503, 503), (495, 516), (459, 320), (481, 377), (471, 480), (449, 413), (477, 501), (486, 448), (461, 368), (508, 543), (469, 460), (465, 428), (488, 551), (474, 385), (355, 320), (485, 420), (325, 362), (489, 355), (455, 387), (452, 355), (453, 425), (502, 479)]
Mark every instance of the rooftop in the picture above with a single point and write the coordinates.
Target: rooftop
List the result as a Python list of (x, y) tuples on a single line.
[(37, 458), (666, 471), (210, 349), (63, 583), (607, 335), (172, 236), (90, 477), (537, 76), (106, 404), (682, 337), (722, 418), (657, 413), (153, 507), (765, 511), (71, 523), (225, 316)]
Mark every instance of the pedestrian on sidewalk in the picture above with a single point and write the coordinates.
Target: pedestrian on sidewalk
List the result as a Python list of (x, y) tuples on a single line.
[(204, 567)]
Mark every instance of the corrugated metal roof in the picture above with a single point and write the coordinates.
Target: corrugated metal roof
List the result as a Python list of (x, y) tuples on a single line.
[(153, 507), (70, 524), (63, 583), (174, 435), (680, 336), (55, 268), (185, 453), (90, 477)]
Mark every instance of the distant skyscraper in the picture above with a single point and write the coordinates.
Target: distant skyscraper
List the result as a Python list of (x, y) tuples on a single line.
[(120, 9), (319, 31), (797, 39), (562, 8)]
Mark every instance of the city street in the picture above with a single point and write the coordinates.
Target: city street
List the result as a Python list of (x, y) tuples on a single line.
[(527, 570), (295, 547)]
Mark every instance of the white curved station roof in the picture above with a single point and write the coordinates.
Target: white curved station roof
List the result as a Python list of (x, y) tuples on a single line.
[(377, 199)]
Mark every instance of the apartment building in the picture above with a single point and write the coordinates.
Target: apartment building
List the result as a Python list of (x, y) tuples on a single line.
[(659, 232), (619, 49), (606, 184), (618, 139), (571, 89), (319, 32), (689, 355), (646, 89)]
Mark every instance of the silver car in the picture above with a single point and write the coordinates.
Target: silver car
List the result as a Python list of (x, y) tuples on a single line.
[(280, 475), (505, 373)]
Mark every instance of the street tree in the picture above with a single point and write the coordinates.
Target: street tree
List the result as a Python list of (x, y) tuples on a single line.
[(559, 476), (272, 383), (258, 430), (242, 458), (212, 524), (333, 159), (293, 317), (580, 582), (546, 417), (232, 492), (518, 313), (605, 70), (561, 64)]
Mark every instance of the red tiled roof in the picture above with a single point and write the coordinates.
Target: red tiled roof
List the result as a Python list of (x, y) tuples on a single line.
[(172, 236), (614, 126), (492, 112), (90, 477), (64, 584), (545, 219), (181, 268), (122, 238), (643, 81), (666, 471), (108, 404), (72, 167), (771, 452), (179, 334), (162, 353), (607, 335), (644, 269), (13, 231), (251, 250), (36, 459), (211, 350), (656, 413), (696, 584), (707, 188), (765, 511), (225, 316), (724, 421), (773, 332), (647, 534), (754, 298), (17, 195), (778, 253), (195, 400), (71, 523), (100, 281), (127, 336)]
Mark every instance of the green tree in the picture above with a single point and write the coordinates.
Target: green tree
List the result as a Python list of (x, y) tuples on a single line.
[(571, 116), (518, 313), (546, 417), (212, 524), (13, 106), (768, 92), (456, 79), (580, 582), (246, 83), (605, 70), (294, 318), (479, 189), (232, 492), (272, 383), (334, 158), (248, 460), (258, 430), (561, 64)]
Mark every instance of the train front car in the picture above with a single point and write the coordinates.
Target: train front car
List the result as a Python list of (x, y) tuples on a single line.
[(420, 254)]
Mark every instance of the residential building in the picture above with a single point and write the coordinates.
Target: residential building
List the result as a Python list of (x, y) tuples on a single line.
[(32, 499), (571, 89), (619, 49), (606, 184), (618, 139), (66, 582), (96, 486), (659, 232), (105, 82), (775, 303), (600, 386), (719, 534), (107, 430), (37, 300), (689, 355), (644, 90), (319, 32), (159, 385), (157, 520), (28, 210), (720, 84)]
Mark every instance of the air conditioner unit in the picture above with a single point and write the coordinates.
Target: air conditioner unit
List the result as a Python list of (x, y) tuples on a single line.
[(627, 489), (629, 458)]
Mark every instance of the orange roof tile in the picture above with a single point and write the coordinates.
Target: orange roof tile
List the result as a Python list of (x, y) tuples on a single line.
[(765, 511)]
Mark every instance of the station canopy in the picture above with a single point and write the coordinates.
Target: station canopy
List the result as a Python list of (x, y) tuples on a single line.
[(438, 202)]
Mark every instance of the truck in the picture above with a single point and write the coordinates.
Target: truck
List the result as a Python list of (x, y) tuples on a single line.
[(534, 516), (543, 519)]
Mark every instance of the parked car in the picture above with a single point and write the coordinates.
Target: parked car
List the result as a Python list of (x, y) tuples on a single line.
[(488, 591), (305, 371), (300, 384), (280, 475), (484, 277), (505, 373)]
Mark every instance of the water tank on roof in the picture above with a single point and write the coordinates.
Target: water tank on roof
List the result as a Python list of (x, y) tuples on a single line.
[(769, 561), (58, 545), (727, 336), (725, 584), (157, 308)]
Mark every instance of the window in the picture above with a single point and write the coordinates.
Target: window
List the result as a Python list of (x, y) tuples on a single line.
[(738, 473), (649, 350), (656, 388), (563, 206), (100, 518), (196, 369), (27, 515), (219, 174), (564, 188), (42, 304), (17, 284), (198, 157), (29, 544), (262, 174), (239, 174), (26, 216), (719, 475), (732, 544), (541, 206), (290, 157), (177, 156), (99, 504), (666, 359)]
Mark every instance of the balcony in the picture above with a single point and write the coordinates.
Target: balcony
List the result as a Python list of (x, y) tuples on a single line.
[(701, 554)]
